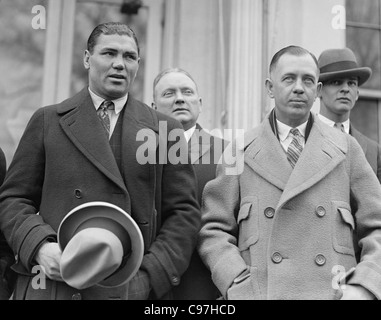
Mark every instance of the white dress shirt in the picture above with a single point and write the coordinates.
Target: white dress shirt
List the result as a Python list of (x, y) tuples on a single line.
[(331, 123), (189, 132), (113, 114)]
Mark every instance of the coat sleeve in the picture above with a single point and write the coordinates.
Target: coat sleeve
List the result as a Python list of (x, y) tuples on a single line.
[(179, 220), (218, 239), (20, 195), (366, 192)]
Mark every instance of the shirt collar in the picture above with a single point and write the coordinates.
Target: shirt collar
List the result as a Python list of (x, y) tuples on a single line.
[(118, 103), (284, 130), (332, 123), (188, 134)]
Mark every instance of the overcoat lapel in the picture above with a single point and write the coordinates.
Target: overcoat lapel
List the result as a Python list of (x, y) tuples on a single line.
[(84, 129), (360, 139), (320, 156), (137, 118), (267, 157), (199, 144)]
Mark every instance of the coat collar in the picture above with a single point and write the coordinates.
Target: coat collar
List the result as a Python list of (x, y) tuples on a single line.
[(324, 150), (81, 124)]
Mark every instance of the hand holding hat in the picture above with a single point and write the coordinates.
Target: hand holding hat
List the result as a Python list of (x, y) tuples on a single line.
[(101, 244)]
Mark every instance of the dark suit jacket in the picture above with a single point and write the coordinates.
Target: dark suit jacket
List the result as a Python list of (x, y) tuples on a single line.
[(6, 254), (371, 149), (205, 151), (64, 159)]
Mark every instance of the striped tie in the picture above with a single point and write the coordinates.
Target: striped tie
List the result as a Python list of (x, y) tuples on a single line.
[(295, 148), (103, 114), (339, 126)]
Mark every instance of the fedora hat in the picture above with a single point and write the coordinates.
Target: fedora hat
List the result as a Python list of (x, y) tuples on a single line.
[(101, 244), (340, 63)]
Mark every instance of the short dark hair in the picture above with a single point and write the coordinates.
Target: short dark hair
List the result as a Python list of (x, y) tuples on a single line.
[(110, 28), (293, 50), (171, 70)]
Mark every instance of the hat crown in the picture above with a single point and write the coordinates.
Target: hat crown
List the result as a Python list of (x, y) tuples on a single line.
[(331, 56), (341, 63), (90, 256)]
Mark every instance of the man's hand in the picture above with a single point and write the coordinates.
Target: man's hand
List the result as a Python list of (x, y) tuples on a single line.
[(49, 256), (356, 292)]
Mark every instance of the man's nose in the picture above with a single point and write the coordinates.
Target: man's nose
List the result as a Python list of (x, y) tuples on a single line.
[(299, 87), (345, 87), (118, 62), (179, 97)]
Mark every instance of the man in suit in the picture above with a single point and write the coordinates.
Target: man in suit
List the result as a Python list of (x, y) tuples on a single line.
[(176, 95), (341, 78), (284, 228), (80, 151), (6, 254)]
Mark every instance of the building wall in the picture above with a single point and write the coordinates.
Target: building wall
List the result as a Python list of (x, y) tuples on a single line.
[(227, 45)]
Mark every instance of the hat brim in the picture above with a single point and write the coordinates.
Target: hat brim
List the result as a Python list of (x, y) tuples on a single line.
[(363, 75), (80, 214)]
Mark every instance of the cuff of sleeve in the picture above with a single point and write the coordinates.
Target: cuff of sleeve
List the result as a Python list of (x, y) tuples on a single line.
[(160, 285), (368, 277), (32, 243)]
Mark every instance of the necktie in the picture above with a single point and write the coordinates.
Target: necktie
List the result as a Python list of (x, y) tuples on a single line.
[(339, 126), (295, 148), (103, 114)]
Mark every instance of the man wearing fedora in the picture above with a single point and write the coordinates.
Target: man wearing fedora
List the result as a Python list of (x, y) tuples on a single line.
[(86, 149), (341, 78)]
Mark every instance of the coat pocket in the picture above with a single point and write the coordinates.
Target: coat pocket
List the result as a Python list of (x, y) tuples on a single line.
[(247, 221), (344, 228), (246, 288)]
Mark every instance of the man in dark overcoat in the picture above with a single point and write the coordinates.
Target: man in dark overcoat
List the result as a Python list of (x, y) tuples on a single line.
[(85, 149), (176, 94)]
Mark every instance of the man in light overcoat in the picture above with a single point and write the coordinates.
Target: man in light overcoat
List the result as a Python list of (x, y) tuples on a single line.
[(289, 224)]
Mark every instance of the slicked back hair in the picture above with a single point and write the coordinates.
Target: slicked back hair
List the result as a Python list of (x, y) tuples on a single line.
[(110, 28), (292, 50)]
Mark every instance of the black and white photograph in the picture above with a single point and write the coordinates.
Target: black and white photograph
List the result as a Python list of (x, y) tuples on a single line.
[(190, 154)]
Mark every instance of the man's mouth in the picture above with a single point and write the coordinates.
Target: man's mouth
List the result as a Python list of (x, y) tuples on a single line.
[(180, 109), (117, 76), (344, 99)]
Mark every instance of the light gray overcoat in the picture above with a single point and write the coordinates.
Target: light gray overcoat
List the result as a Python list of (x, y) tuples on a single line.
[(293, 230)]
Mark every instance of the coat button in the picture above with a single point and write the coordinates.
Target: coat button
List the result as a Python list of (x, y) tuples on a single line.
[(175, 280), (76, 296), (269, 212), (276, 257), (320, 260), (320, 211), (78, 193)]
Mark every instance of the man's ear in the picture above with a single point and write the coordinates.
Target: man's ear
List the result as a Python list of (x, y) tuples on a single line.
[(269, 86), (200, 108), (357, 94), (319, 90), (86, 58)]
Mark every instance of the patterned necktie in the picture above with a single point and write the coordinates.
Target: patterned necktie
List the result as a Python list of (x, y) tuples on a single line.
[(103, 114), (295, 148), (339, 126)]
